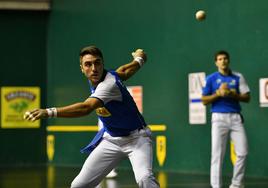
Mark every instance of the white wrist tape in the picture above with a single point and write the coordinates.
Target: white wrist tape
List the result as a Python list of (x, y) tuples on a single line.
[(52, 112), (140, 60)]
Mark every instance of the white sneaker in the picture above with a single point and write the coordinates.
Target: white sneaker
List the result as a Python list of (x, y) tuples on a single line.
[(112, 174)]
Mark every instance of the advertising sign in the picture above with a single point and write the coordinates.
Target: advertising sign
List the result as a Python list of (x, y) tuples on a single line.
[(136, 93), (264, 92), (197, 111), (15, 101)]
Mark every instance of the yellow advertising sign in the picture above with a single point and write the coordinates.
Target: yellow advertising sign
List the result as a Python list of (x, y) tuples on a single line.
[(15, 101), (50, 147), (161, 149), (162, 179)]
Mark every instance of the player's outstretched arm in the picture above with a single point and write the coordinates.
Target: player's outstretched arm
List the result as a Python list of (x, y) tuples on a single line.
[(128, 70), (74, 110)]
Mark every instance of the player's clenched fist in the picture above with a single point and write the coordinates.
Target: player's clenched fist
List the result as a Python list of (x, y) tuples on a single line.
[(223, 90), (35, 114), (233, 93), (139, 53)]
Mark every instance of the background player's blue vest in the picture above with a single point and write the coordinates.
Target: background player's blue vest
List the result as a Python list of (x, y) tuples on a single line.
[(223, 104)]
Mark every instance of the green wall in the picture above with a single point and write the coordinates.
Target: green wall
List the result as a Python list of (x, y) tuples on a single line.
[(177, 45), (23, 63)]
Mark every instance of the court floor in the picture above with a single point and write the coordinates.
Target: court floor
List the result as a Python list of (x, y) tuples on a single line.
[(61, 177)]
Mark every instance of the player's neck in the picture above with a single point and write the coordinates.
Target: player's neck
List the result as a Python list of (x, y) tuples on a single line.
[(224, 71), (95, 84)]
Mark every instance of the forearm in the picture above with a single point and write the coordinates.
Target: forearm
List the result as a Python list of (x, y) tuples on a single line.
[(208, 99), (240, 97), (74, 110), (128, 70)]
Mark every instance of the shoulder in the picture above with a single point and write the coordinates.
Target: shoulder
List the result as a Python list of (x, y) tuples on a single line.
[(108, 90), (108, 81), (212, 76), (237, 75), (113, 72)]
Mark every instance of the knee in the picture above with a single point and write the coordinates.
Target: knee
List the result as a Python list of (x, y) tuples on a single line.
[(241, 156), (216, 158), (148, 182), (77, 184), (242, 153)]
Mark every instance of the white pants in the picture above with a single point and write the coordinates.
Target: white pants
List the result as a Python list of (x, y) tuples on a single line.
[(106, 156), (222, 125)]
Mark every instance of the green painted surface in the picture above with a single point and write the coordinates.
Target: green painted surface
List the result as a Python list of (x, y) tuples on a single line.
[(23, 63), (176, 45)]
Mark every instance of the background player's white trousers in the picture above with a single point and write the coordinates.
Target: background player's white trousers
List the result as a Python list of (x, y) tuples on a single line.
[(106, 156), (222, 125)]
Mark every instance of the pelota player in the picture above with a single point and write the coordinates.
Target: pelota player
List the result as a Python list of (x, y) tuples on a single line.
[(125, 133), (224, 90)]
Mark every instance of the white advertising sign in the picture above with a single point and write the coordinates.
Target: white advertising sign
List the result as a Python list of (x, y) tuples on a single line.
[(197, 111), (264, 92)]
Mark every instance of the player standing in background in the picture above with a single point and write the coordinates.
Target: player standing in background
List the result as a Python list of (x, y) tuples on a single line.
[(224, 90), (124, 133)]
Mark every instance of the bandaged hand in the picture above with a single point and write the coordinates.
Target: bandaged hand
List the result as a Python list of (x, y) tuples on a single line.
[(139, 56), (232, 93), (223, 90), (35, 115), (139, 53)]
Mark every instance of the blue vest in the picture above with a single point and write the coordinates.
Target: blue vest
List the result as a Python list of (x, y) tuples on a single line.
[(223, 104), (119, 117), (124, 115)]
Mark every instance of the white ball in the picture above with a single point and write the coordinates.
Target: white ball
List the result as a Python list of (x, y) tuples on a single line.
[(200, 15), (27, 113)]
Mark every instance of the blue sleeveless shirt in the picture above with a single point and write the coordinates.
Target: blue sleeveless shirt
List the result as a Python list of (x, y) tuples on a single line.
[(119, 114)]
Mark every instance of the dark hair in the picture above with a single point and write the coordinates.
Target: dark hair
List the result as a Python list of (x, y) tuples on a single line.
[(92, 50), (221, 52)]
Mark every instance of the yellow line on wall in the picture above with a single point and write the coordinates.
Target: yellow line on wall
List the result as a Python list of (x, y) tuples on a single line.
[(158, 127), (91, 128), (71, 128)]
